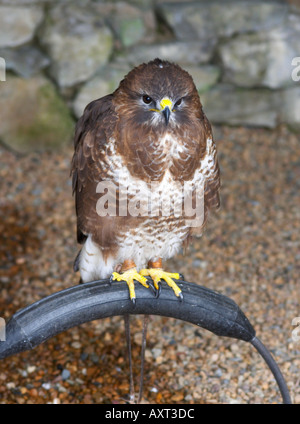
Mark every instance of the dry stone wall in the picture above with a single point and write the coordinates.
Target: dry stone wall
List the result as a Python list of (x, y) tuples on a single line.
[(57, 56)]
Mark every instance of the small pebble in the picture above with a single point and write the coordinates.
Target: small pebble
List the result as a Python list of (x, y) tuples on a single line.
[(10, 385), (46, 386), (76, 345), (65, 374), (31, 369)]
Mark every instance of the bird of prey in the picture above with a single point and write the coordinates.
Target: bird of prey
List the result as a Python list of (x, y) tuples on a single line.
[(141, 154)]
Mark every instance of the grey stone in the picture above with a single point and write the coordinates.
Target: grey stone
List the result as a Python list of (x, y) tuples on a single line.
[(33, 116), (190, 52), (238, 17), (132, 24), (103, 83), (208, 19), (28, 2), (284, 45), (224, 104), (78, 43), (25, 60), (244, 60), (18, 24), (144, 3), (188, 20), (205, 76), (290, 107), (260, 59)]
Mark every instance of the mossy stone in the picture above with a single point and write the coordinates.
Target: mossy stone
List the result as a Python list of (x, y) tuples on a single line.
[(34, 117)]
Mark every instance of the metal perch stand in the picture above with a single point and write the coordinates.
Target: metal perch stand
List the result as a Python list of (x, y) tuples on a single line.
[(68, 308)]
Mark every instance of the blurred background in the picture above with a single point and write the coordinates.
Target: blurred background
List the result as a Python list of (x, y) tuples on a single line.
[(244, 56), (60, 55)]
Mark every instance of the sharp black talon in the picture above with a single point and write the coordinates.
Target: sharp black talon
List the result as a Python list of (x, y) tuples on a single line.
[(180, 295), (157, 294), (181, 277), (151, 286), (133, 300)]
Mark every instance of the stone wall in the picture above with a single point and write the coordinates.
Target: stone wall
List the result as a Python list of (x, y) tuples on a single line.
[(59, 55)]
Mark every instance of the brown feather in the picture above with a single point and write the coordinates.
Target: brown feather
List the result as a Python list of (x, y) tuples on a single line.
[(116, 128)]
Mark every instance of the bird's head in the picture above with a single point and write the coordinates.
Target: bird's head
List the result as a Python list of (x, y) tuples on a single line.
[(158, 94)]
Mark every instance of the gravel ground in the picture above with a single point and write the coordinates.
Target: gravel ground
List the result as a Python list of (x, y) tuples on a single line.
[(249, 252)]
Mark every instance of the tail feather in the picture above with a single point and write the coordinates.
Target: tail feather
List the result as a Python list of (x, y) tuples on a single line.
[(76, 262)]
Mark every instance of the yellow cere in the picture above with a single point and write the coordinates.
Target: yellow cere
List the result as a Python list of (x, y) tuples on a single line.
[(166, 103)]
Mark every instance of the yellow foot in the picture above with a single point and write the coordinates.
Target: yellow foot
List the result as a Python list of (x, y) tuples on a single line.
[(158, 274), (128, 276)]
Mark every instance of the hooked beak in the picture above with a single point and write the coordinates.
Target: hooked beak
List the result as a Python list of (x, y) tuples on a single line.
[(166, 107), (166, 112)]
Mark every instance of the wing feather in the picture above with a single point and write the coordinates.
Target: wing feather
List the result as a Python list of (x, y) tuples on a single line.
[(92, 134), (212, 182)]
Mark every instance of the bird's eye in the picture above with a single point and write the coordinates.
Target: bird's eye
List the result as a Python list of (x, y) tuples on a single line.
[(147, 99), (178, 103)]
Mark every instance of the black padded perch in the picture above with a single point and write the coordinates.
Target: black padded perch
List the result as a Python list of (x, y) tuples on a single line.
[(76, 305)]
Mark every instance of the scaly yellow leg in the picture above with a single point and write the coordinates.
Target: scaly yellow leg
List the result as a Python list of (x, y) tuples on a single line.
[(157, 274), (129, 275)]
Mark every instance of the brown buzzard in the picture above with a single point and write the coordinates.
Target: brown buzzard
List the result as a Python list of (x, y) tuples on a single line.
[(150, 139)]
